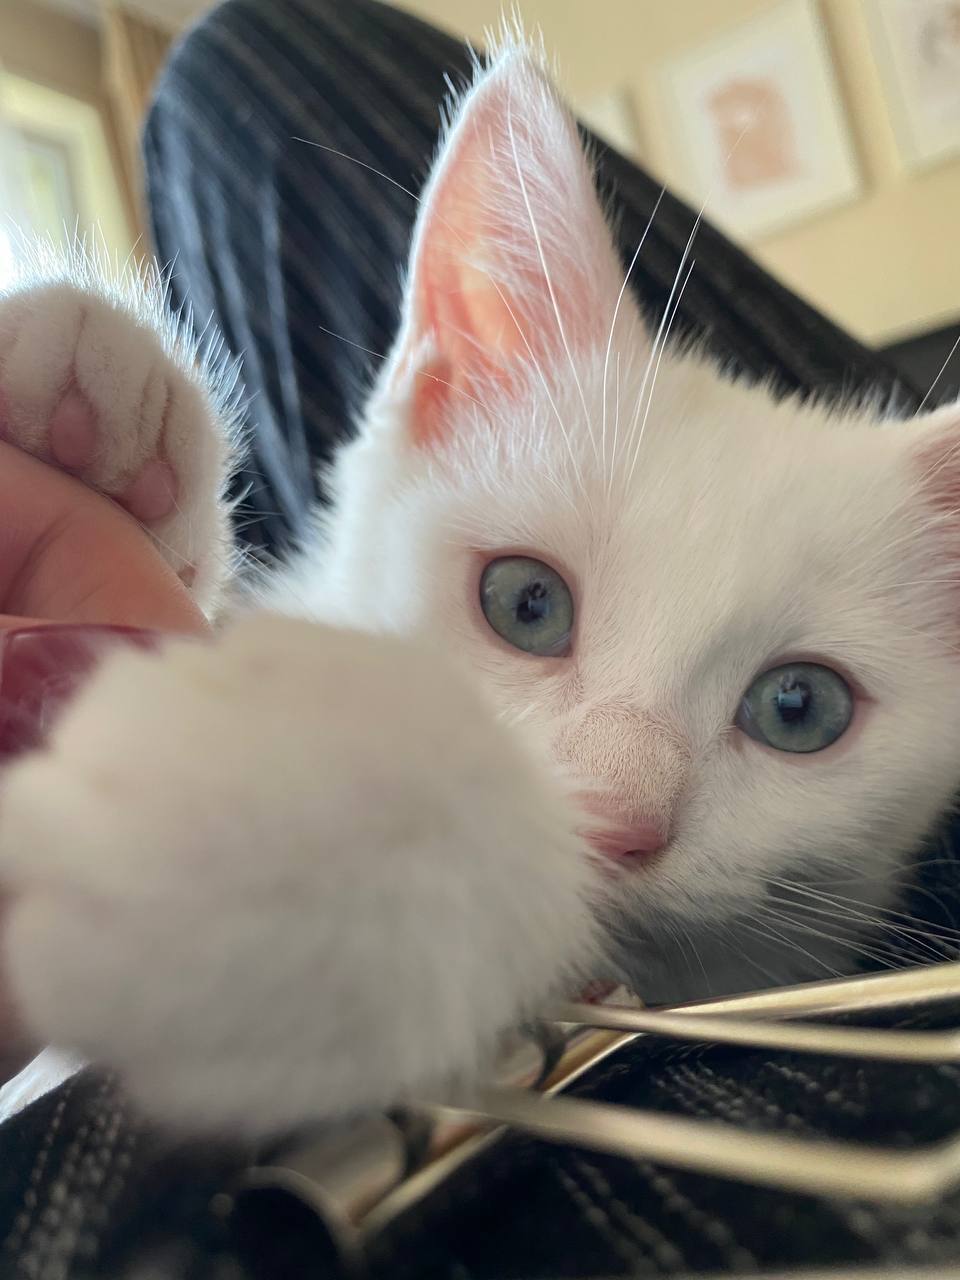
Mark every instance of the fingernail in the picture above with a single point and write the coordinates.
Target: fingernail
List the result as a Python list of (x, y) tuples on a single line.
[(42, 667)]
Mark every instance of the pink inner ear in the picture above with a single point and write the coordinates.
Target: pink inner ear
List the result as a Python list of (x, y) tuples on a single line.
[(480, 284), (938, 461), (512, 259), (430, 399)]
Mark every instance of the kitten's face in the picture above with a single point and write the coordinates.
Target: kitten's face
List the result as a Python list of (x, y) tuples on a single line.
[(696, 536)]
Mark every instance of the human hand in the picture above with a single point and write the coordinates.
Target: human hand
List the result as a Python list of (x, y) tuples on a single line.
[(68, 557)]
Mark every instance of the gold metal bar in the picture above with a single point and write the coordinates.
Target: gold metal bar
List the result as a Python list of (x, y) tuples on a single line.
[(587, 1051), (789, 1163), (868, 993), (847, 1042), (359, 1198), (339, 1175)]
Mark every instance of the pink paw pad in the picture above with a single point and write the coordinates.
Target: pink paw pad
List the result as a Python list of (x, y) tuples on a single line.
[(73, 432), (153, 493)]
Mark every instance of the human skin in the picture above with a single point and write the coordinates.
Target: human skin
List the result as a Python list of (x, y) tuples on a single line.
[(69, 556)]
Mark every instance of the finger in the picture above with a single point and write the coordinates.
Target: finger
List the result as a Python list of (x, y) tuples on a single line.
[(68, 553)]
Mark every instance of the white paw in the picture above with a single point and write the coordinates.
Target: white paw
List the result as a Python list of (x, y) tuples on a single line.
[(286, 875), (95, 380)]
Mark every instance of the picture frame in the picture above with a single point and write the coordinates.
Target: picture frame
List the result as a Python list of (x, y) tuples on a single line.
[(48, 180), (59, 168), (753, 124), (916, 46)]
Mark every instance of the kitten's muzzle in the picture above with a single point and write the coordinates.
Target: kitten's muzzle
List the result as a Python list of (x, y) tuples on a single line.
[(636, 843), (634, 769)]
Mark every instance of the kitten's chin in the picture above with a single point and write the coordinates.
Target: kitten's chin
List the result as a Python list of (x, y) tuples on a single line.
[(673, 962)]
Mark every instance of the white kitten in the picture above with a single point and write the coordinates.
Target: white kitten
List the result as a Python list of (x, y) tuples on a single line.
[(304, 870)]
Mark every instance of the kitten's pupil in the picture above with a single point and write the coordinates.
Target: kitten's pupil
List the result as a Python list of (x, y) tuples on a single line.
[(528, 604), (534, 604), (792, 700), (800, 707)]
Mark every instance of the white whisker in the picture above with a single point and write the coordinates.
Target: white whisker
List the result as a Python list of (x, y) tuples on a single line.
[(656, 370), (518, 168), (606, 357), (943, 369), (770, 934), (653, 366), (421, 373), (552, 293), (665, 321)]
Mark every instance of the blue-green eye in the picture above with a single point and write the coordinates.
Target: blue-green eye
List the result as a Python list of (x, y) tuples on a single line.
[(527, 603), (800, 707)]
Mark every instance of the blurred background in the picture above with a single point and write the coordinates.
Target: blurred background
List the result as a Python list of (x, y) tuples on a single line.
[(824, 135)]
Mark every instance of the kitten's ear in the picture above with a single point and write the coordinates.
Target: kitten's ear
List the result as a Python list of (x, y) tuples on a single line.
[(936, 456), (513, 264)]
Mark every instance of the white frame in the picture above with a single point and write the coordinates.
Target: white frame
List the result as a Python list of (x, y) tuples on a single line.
[(79, 128), (788, 40), (923, 139)]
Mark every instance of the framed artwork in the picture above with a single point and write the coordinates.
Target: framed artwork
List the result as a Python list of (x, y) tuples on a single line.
[(754, 124), (48, 182), (58, 177), (10, 214), (917, 48)]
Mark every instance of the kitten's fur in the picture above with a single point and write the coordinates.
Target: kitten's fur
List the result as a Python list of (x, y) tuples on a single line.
[(320, 864)]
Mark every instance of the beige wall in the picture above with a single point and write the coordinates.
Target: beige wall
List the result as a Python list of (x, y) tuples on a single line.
[(884, 266), (51, 48), (62, 53)]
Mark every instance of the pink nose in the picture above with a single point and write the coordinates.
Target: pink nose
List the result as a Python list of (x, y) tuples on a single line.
[(639, 840)]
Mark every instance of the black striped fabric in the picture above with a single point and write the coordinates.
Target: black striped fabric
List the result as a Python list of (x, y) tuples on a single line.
[(284, 244)]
